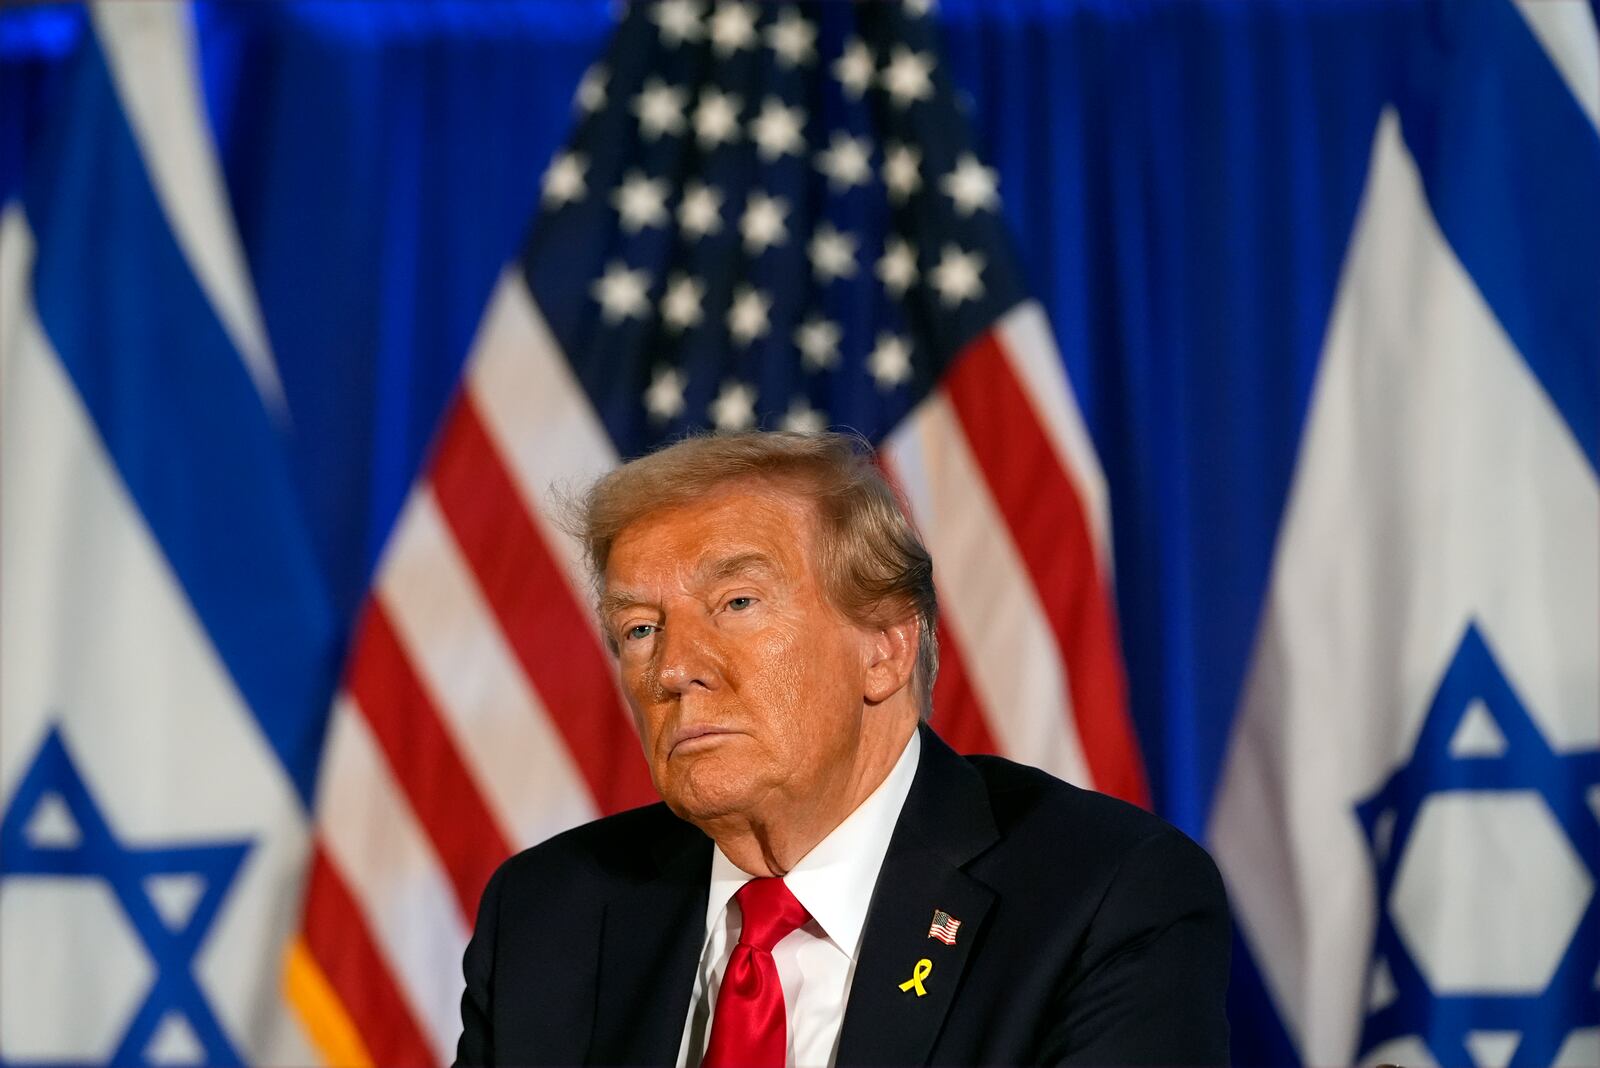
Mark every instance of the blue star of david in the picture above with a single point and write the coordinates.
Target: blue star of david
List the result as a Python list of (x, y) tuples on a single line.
[(1526, 763), (98, 854)]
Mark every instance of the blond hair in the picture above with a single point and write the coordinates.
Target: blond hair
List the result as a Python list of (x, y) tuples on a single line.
[(875, 569)]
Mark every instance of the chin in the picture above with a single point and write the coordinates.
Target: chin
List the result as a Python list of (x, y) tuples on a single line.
[(707, 789)]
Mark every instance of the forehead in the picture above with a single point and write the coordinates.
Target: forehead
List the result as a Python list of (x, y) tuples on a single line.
[(737, 520)]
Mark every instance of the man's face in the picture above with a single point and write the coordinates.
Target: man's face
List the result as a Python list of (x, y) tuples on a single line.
[(747, 685)]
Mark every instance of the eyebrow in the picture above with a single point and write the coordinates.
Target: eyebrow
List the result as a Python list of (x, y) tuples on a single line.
[(752, 564), (613, 602)]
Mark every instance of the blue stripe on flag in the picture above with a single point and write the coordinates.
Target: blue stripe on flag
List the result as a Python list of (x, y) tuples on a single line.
[(178, 414), (1511, 165)]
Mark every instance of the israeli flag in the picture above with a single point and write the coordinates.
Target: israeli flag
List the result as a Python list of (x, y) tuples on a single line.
[(1410, 815), (160, 714)]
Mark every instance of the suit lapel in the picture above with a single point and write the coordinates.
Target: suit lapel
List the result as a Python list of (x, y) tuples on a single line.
[(653, 934), (945, 823)]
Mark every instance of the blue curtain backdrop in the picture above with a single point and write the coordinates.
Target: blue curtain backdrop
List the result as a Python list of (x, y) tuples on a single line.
[(1181, 176)]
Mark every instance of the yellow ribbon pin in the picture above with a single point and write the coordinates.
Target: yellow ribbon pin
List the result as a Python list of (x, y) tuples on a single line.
[(918, 974)]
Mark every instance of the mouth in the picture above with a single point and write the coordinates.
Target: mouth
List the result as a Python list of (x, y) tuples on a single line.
[(702, 736)]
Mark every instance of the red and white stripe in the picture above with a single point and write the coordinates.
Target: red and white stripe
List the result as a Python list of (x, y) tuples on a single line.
[(480, 713), (1005, 487)]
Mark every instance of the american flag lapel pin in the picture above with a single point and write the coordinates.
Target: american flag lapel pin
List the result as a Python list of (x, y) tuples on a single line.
[(944, 927)]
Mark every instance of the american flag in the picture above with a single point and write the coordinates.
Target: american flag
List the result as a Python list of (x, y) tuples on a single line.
[(768, 216), (944, 927)]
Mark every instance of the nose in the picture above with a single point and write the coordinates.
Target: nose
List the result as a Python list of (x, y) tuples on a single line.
[(686, 657)]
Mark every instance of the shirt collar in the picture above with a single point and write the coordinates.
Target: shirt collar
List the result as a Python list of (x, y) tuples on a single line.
[(835, 880)]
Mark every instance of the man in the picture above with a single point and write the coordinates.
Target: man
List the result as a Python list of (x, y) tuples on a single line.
[(827, 882)]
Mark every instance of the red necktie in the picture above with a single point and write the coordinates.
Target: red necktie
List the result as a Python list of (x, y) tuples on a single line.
[(750, 1028)]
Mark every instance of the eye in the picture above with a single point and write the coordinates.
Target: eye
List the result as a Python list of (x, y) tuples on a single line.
[(739, 604), (638, 632)]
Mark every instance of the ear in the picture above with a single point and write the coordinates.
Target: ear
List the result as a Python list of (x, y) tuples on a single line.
[(891, 658)]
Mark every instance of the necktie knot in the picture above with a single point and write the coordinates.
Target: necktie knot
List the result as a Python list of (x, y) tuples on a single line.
[(770, 913)]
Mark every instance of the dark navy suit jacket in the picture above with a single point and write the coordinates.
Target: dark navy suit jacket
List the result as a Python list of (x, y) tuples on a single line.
[(1091, 933)]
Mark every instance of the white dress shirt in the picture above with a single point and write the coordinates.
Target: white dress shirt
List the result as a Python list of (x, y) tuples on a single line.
[(815, 963)]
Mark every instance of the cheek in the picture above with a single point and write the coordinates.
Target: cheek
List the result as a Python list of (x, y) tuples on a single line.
[(808, 684)]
